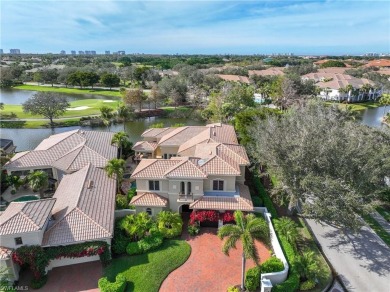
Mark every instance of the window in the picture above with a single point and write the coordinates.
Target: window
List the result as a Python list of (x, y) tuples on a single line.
[(149, 211), (154, 185), (18, 241), (217, 185)]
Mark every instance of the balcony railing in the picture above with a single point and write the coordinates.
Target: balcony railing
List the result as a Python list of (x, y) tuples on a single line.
[(186, 197)]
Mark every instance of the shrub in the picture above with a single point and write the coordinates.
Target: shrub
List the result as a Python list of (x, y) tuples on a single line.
[(133, 248), (131, 193), (252, 279), (193, 229), (118, 286), (150, 242), (272, 265), (307, 285), (121, 202), (120, 243), (257, 201), (291, 284), (38, 283), (228, 217), (233, 289), (169, 224)]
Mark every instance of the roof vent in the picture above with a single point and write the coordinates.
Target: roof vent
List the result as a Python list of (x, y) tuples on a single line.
[(214, 133), (90, 184)]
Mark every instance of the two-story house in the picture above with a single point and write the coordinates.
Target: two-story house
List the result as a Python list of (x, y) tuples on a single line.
[(192, 167)]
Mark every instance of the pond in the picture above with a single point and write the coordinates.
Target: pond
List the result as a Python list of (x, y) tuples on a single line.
[(15, 96), (27, 139)]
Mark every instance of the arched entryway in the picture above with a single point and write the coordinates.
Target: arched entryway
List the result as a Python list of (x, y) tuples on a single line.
[(185, 209)]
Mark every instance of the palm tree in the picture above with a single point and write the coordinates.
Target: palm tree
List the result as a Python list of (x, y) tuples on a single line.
[(120, 139), (124, 114), (306, 265), (106, 114), (247, 229), (136, 225), (116, 167), (169, 223), (38, 180), (287, 228), (366, 88)]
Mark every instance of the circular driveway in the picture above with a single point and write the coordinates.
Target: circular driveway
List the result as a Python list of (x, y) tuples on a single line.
[(207, 268)]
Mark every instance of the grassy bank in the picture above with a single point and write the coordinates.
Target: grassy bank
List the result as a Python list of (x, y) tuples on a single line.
[(379, 230), (38, 124), (146, 272), (357, 106), (111, 93), (92, 104)]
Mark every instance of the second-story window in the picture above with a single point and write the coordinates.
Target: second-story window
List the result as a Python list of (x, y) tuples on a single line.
[(18, 241), (217, 185), (154, 185)]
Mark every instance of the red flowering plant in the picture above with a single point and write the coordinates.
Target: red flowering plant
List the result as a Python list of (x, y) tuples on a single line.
[(201, 216), (227, 217)]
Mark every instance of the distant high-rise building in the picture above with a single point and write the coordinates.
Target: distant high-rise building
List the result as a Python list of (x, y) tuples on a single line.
[(93, 52), (73, 52), (14, 51), (81, 52), (1, 51), (107, 52), (63, 52), (121, 53), (88, 52)]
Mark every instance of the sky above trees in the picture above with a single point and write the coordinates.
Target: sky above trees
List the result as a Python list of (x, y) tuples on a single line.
[(206, 27)]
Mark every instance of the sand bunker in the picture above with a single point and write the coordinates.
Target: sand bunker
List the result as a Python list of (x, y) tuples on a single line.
[(79, 108), (107, 100)]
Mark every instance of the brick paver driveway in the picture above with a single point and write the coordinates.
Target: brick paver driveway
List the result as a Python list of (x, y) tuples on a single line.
[(207, 268), (80, 277)]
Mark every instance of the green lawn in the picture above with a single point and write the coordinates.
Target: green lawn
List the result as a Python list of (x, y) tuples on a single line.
[(146, 272), (112, 93), (382, 233), (384, 212), (93, 104), (170, 109)]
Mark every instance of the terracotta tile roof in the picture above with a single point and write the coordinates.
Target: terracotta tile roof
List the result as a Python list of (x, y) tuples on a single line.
[(20, 217), (274, 71), (235, 152), (153, 168), (180, 135), (219, 166), (235, 78), (185, 169), (149, 199), (336, 81), (378, 63), (5, 252), (62, 148), (145, 146), (156, 132), (332, 70), (242, 202), (84, 209)]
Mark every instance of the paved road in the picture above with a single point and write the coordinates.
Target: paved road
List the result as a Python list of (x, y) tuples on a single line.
[(362, 260)]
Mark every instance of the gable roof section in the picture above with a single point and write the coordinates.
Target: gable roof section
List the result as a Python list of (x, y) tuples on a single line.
[(180, 135), (235, 152), (149, 199), (20, 217), (185, 169), (145, 146), (84, 209), (153, 168), (218, 166)]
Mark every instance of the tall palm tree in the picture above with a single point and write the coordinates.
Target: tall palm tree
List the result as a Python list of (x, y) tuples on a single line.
[(287, 228), (106, 114), (306, 265), (120, 139), (116, 167), (124, 114), (38, 180), (169, 223), (247, 229)]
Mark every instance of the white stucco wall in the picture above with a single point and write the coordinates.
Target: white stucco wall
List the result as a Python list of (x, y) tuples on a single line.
[(229, 183), (28, 238), (70, 261)]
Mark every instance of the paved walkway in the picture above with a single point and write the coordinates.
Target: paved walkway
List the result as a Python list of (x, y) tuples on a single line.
[(382, 221), (80, 277), (361, 259), (207, 268)]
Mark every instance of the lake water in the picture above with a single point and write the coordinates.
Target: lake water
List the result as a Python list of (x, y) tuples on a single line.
[(15, 96), (27, 139)]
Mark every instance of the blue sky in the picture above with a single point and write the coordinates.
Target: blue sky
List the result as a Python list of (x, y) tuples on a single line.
[(204, 27)]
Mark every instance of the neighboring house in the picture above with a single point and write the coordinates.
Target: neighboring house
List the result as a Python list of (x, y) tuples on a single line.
[(343, 87), (82, 208), (192, 167), (7, 147), (234, 78), (382, 63), (332, 70), (273, 71)]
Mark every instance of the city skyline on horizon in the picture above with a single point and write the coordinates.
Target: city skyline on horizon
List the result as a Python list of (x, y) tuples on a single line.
[(312, 27)]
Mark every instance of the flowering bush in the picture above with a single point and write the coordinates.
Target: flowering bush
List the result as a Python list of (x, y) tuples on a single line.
[(227, 217), (201, 216)]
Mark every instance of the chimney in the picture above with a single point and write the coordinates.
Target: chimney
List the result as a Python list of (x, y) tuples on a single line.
[(90, 184)]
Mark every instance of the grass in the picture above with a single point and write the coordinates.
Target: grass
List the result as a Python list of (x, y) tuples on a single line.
[(357, 106), (93, 104), (171, 109), (325, 273), (111, 93), (146, 272), (385, 213), (382, 233)]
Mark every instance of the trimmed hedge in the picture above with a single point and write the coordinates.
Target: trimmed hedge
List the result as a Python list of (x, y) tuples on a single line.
[(118, 286), (146, 244), (272, 265), (233, 289), (257, 202), (252, 279), (293, 281), (38, 283)]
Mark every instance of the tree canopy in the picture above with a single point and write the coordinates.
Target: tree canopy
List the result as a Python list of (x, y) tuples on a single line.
[(48, 104), (334, 167)]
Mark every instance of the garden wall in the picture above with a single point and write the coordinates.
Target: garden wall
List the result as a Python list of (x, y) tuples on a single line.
[(124, 212), (71, 261), (278, 277)]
